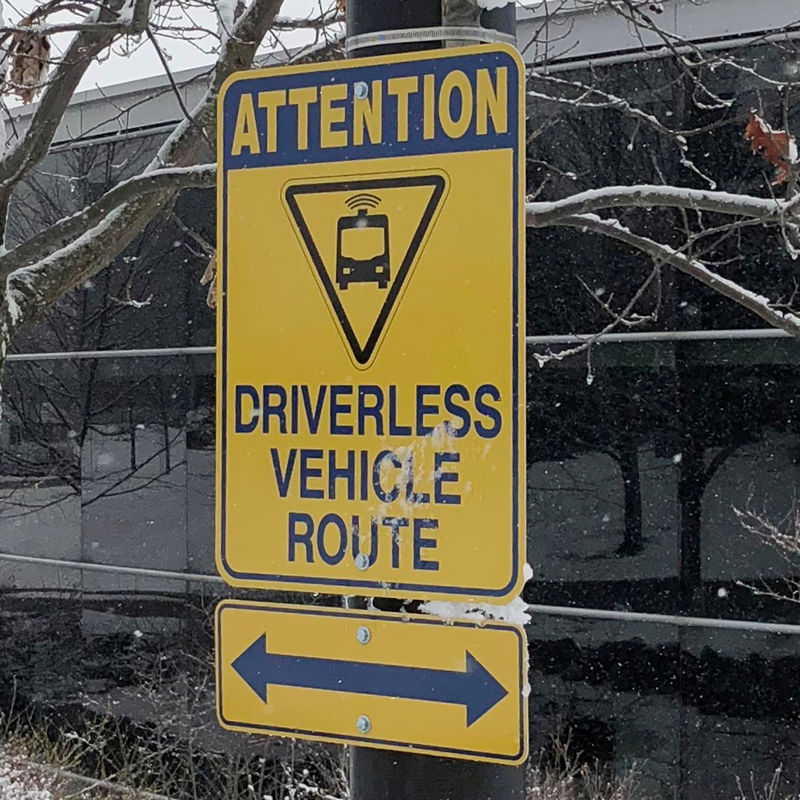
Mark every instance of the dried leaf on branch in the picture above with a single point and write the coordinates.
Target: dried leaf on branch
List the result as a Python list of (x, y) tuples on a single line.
[(30, 55), (778, 147), (210, 277)]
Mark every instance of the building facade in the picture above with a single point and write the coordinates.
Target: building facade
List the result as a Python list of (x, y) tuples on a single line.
[(643, 453)]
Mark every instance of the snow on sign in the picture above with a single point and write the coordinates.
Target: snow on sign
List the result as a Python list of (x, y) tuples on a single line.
[(373, 679), (370, 359)]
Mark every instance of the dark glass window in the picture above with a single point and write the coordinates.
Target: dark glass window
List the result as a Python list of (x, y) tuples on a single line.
[(573, 149)]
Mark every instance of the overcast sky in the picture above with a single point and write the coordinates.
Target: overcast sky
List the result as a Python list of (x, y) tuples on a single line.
[(144, 62)]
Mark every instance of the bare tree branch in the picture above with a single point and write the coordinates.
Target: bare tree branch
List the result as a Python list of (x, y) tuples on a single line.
[(542, 214), (83, 49), (664, 254), (66, 230), (31, 290)]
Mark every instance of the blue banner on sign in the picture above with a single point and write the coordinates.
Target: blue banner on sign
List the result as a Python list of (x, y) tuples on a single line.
[(405, 109)]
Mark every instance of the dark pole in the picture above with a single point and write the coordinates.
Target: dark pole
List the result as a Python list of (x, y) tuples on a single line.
[(386, 774), (502, 19), (371, 16)]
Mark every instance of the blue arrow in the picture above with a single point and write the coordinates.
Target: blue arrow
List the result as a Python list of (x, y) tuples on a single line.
[(474, 688)]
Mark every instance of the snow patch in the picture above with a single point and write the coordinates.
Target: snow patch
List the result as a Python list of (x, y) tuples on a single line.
[(515, 612), (226, 18), (17, 284), (125, 14), (489, 5), (12, 305), (20, 782)]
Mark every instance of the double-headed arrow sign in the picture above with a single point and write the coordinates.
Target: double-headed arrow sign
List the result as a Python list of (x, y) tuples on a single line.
[(474, 687), (351, 676)]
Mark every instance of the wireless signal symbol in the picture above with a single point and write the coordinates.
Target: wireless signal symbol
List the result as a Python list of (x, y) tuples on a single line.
[(362, 200)]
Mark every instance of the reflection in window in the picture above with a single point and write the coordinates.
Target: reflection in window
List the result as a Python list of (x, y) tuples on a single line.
[(635, 478)]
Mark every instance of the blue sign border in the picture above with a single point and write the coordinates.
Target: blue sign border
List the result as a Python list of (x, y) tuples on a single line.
[(489, 55)]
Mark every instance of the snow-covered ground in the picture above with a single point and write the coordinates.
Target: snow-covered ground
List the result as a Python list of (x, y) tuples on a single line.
[(576, 518), (20, 781)]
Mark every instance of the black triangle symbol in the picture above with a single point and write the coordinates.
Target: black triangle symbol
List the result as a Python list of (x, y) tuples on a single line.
[(363, 354)]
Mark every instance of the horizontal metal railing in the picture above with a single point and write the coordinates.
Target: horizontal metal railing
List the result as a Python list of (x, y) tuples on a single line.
[(89, 566), (548, 610), (153, 352), (558, 339), (558, 611)]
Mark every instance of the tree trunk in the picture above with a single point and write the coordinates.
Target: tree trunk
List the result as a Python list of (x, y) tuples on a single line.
[(691, 486), (5, 342), (691, 480), (690, 492), (2, 366), (628, 459)]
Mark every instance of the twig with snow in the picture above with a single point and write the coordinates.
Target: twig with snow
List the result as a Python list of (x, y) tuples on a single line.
[(758, 304)]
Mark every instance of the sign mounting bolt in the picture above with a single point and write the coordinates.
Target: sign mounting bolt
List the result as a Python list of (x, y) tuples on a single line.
[(363, 724), (360, 90), (363, 635), (362, 561)]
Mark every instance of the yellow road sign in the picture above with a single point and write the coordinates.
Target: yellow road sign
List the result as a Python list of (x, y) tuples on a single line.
[(371, 326), (372, 679)]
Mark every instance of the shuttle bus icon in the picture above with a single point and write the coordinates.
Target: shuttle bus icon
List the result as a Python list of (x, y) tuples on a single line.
[(362, 245)]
